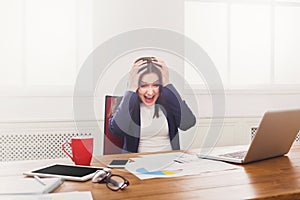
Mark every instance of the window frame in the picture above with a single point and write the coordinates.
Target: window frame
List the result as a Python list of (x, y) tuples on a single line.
[(83, 47), (269, 88)]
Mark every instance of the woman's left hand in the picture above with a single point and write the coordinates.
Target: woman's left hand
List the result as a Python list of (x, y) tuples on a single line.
[(164, 72)]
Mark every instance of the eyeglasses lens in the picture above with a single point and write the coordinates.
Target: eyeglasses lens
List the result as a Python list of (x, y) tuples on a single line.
[(115, 182), (100, 177)]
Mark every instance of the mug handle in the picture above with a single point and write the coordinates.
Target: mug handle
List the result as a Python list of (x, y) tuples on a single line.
[(63, 148)]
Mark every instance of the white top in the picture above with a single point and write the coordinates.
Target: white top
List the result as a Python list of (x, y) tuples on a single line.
[(154, 131)]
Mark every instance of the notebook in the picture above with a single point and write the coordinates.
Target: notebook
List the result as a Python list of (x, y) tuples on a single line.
[(274, 137), (19, 185), (85, 195)]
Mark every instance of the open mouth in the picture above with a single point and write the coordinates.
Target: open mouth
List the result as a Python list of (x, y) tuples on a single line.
[(149, 99)]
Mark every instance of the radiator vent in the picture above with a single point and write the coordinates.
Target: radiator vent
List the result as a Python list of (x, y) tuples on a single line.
[(34, 146), (254, 129), (253, 132)]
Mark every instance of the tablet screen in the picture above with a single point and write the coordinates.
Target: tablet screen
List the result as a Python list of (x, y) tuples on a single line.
[(67, 170)]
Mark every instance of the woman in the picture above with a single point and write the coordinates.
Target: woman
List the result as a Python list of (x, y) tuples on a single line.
[(151, 110)]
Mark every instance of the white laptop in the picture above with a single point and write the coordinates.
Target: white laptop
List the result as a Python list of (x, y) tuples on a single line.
[(274, 137)]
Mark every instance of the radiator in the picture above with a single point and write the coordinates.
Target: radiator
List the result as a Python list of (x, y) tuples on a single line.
[(36, 144), (254, 129)]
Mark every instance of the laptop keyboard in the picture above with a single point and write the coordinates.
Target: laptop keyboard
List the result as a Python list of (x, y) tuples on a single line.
[(237, 154)]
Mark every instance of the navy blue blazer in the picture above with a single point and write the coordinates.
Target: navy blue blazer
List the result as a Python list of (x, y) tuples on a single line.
[(125, 121)]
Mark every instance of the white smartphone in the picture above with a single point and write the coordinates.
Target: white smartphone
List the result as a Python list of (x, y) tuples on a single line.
[(118, 163)]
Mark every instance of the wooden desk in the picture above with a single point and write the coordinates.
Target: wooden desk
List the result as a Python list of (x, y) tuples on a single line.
[(277, 178)]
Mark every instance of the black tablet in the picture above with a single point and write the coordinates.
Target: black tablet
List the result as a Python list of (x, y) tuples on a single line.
[(65, 171)]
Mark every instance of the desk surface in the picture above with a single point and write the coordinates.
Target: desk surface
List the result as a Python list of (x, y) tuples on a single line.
[(277, 178)]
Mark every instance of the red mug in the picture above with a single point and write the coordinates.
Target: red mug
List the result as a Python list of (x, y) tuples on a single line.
[(82, 150)]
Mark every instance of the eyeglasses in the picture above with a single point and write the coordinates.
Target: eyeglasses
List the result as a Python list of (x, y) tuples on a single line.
[(113, 181)]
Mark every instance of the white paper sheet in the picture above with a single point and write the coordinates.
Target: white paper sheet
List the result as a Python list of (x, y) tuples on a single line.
[(51, 196), (19, 185)]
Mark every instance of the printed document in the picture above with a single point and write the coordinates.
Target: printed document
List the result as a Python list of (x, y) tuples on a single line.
[(166, 165)]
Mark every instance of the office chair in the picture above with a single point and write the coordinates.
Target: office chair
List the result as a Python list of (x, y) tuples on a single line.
[(112, 144)]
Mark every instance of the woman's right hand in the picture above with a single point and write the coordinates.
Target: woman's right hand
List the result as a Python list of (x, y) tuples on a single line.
[(134, 76)]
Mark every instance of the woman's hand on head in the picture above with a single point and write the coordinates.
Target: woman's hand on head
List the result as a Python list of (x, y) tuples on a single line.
[(164, 72), (134, 76)]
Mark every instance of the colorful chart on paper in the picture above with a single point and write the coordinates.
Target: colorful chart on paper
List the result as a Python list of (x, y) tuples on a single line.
[(159, 172)]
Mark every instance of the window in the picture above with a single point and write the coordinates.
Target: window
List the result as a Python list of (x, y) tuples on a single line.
[(43, 44), (253, 44)]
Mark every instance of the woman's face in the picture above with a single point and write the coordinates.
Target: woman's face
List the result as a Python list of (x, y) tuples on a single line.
[(149, 89)]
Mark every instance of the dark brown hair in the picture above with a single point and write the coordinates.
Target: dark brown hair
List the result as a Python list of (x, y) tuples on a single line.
[(150, 67)]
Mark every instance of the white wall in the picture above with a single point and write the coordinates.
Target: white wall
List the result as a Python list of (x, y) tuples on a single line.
[(112, 17), (115, 17), (248, 104)]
